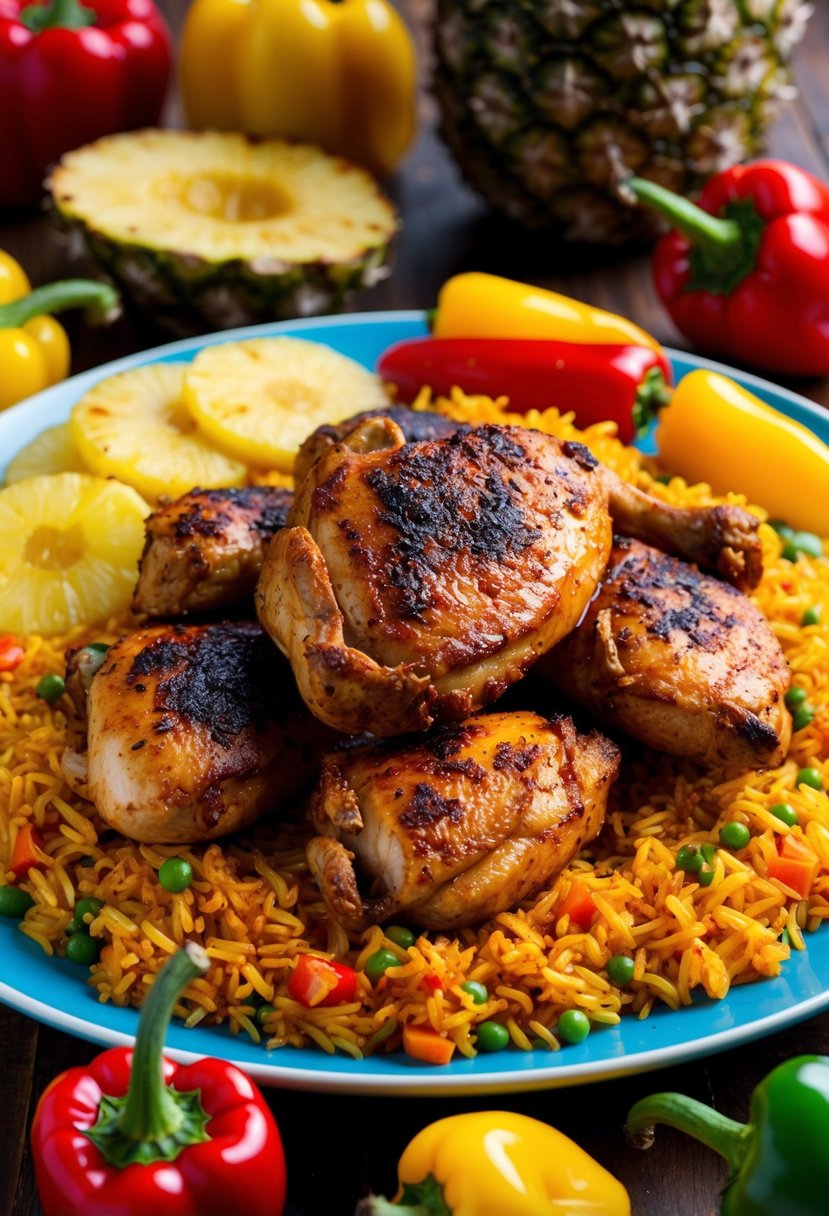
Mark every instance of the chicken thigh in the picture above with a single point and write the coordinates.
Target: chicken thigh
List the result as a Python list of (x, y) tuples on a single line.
[(204, 550), (195, 731), (678, 660), (416, 582), (453, 827)]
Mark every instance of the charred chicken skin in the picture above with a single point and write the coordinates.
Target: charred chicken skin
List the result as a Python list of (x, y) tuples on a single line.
[(194, 732), (204, 551), (455, 826), (416, 582), (678, 660)]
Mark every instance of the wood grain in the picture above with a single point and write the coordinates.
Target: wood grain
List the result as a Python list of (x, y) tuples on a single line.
[(338, 1148)]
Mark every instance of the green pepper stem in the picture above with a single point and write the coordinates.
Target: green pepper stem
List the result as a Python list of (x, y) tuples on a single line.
[(652, 395), (705, 231), (150, 1112), (58, 14), (377, 1205), (725, 1136), (100, 298)]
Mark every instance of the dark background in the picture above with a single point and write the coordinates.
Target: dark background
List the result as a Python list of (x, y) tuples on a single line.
[(340, 1147)]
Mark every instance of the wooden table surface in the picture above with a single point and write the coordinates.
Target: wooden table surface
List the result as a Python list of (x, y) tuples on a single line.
[(339, 1147)]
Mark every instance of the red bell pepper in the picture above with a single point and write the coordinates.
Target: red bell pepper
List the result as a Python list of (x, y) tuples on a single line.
[(134, 1134), (319, 981), (69, 73), (625, 384), (795, 865), (11, 652), (745, 274)]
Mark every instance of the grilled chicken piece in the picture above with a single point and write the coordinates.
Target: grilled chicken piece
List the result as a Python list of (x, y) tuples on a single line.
[(416, 425), (678, 660), (416, 582), (419, 581), (455, 826), (204, 550), (194, 732)]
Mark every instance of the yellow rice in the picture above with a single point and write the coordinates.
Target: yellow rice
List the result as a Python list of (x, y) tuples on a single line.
[(254, 907)]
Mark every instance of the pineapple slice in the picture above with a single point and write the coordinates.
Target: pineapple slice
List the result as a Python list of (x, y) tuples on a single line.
[(210, 230), (135, 426), (52, 451), (69, 550), (260, 400)]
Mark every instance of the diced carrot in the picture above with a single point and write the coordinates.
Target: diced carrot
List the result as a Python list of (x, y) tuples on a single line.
[(579, 905), (24, 855), (423, 1043), (11, 652), (795, 865)]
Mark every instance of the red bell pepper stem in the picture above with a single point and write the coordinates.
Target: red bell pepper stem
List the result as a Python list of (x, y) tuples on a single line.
[(60, 14), (154, 1122), (724, 249), (100, 299)]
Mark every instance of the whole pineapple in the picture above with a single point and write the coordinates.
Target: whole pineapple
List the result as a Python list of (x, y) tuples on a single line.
[(548, 105)]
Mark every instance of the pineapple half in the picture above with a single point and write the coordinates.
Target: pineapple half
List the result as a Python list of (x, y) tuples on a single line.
[(207, 229), (547, 106)]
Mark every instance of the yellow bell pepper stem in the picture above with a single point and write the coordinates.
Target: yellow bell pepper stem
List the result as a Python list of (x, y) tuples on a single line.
[(498, 1163), (337, 73), (34, 349), (477, 305), (717, 432)]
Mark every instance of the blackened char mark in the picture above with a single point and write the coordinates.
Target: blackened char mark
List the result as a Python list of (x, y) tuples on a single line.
[(518, 758), (428, 807), (416, 425), (447, 497), (210, 512), (222, 677)]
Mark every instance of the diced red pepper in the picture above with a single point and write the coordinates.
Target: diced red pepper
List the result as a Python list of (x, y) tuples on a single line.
[(579, 905), (24, 853), (11, 652), (432, 982), (319, 981), (795, 865)]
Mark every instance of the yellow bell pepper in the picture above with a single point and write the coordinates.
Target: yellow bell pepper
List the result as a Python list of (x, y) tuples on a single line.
[(34, 348), (717, 432), (477, 305), (337, 73), (498, 1163)]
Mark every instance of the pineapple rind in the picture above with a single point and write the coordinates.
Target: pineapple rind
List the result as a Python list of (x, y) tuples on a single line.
[(121, 199), (547, 108)]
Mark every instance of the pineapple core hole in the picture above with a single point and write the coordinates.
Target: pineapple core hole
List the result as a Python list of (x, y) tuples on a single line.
[(55, 548), (227, 196)]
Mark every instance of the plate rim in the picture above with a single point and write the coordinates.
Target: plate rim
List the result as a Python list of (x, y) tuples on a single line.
[(422, 1080)]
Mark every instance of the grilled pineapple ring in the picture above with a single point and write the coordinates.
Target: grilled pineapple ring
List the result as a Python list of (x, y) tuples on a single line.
[(209, 228)]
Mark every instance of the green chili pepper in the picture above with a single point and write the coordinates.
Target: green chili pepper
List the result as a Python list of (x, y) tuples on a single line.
[(778, 1160)]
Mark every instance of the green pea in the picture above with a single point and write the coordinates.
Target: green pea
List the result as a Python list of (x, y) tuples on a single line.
[(620, 970), (14, 902), (810, 777), (88, 907), (477, 991), (87, 862), (264, 1012), (51, 688), (795, 696), (401, 936), (809, 543), (709, 851), (802, 716), (790, 551), (539, 1044), (785, 813), (573, 1026), (83, 949), (175, 874), (377, 964), (705, 875), (734, 835), (812, 615), (782, 529), (689, 858), (491, 1036)]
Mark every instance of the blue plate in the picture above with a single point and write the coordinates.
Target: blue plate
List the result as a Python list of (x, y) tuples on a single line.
[(55, 992)]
